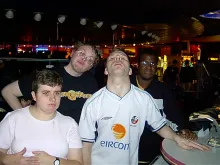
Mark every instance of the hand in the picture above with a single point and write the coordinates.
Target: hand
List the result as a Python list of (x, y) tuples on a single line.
[(189, 144), (187, 134), (44, 157), (19, 159), (25, 103)]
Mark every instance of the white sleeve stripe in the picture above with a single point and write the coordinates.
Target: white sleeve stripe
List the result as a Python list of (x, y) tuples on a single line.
[(88, 140), (158, 128)]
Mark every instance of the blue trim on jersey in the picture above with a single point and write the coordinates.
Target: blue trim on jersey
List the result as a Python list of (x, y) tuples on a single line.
[(161, 112), (148, 126), (96, 132), (118, 95), (158, 128), (87, 141)]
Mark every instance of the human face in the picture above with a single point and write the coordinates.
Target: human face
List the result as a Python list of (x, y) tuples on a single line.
[(118, 64), (82, 59), (147, 66), (47, 98)]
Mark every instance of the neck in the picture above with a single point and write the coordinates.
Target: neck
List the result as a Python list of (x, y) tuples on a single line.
[(119, 86), (40, 115), (143, 83), (71, 71)]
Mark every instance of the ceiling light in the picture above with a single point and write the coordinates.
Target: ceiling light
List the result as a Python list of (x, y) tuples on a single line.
[(9, 13), (114, 26), (83, 21), (61, 18), (143, 32), (99, 24), (37, 16)]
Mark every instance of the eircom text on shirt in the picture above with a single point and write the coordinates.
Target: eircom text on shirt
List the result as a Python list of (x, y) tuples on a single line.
[(119, 132)]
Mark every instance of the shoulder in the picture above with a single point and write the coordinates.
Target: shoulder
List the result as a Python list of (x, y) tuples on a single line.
[(17, 114), (66, 120), (139, 93), (157, 85), (95, 97), (58, 69)]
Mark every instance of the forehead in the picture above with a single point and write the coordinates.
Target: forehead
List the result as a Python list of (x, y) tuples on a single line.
[(87, 49), (49, 88), (121, 53), (149, 57)]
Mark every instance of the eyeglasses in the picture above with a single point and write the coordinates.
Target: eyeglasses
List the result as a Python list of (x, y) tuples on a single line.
[(146, 63), (89, 59)]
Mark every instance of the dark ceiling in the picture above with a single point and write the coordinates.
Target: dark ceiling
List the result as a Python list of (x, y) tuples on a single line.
[(123, 12), (133, 13)]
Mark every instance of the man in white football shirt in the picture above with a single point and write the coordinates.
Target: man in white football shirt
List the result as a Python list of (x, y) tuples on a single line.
[(113, 119)]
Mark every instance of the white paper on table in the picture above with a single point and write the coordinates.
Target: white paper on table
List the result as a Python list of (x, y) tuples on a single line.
[(203, 133)]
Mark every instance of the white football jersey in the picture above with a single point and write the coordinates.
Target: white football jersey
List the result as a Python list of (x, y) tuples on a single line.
[(115, 124)]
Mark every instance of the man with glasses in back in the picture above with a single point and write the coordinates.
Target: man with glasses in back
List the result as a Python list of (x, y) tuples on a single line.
[(165, 100), (78, 83)]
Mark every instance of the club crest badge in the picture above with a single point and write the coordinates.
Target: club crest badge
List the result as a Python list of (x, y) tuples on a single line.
[(134, 120)]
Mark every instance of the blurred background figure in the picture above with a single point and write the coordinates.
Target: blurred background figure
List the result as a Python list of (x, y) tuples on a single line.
[(187, 75), (171, 75)]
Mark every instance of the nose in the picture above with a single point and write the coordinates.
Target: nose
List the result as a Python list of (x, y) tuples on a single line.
[(117, 57), (53, 97)]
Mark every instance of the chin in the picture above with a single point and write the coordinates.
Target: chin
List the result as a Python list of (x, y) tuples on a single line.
[(147, 78), (79, 69)]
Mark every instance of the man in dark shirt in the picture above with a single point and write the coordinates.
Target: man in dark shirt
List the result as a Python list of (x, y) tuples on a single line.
[(163, 97), (78, 83), (171, 75)]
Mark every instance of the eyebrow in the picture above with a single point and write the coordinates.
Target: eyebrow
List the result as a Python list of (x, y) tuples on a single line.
[(50, 91)]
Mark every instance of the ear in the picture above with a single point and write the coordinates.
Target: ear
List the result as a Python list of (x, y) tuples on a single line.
[(130, 71), (71, 54), (106, 71), (33, 95)]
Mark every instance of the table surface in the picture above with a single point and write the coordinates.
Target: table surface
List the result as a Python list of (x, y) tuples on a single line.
[(176, 155)]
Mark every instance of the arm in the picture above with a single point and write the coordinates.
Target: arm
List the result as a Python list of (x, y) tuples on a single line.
[(10, 93), (167, 133), (87, 150), (87, 131), (3, 153), (74, 157), (16, 159)]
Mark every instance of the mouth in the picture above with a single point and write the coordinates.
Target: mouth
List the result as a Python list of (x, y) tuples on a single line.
[(52, 105), (81, 62), (118, 64)]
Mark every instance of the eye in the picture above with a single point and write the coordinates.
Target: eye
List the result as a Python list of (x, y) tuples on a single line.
[(90, 61), (58, 93), (144, 63), (111, 57), (46, 93), (153, 64), (123, 57)]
